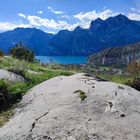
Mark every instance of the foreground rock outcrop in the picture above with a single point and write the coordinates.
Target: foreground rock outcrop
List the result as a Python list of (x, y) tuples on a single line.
[(77, 107), (10, 76)]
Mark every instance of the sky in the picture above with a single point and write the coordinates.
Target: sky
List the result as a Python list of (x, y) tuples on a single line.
[(54, 15)]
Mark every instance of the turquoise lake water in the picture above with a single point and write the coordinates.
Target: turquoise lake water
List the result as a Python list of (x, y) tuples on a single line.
[(62, 59)]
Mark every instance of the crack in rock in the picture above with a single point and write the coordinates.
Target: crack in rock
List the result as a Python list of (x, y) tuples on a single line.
[(33, 124)]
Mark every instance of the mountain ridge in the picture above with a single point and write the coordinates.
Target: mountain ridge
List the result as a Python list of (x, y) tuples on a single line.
[(112, 32), (32, 37)]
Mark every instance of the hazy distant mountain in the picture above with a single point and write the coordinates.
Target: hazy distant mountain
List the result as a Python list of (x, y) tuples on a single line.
[(112, 32), (35, 39), (116, 56)]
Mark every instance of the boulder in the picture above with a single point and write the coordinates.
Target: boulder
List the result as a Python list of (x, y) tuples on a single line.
[(10, 76), (76, 107)]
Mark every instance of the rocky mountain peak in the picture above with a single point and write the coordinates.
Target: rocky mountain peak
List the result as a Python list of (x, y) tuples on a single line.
[(78, 28), (118, 20), (96, 24)]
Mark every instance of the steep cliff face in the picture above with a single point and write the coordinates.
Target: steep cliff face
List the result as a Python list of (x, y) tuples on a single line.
[(116, 56)]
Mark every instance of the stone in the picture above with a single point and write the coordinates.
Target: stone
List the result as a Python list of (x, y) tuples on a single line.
[(52, 111)]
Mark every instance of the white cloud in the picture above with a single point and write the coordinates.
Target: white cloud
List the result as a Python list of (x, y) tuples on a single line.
[(135, 10), (64, 16), (22, 15), (40, 12), (55, 11), (51, 32), (94, 15), (5, 26), (86, 18), (49, 23), (134, 16)]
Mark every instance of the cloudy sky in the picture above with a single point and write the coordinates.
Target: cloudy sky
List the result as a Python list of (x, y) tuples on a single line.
[(55, 15)]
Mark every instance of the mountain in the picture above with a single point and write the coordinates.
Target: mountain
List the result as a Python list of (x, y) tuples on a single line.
[(35, 39), (116, 56), (102, 34), (112, 32), (137, 22), (71, 42)]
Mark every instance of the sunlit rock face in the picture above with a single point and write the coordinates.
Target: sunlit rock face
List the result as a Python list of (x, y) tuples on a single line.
[(116, 56)]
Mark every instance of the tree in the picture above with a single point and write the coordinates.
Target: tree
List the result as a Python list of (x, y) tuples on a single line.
[(134, 69), (1, 53), (22, 52)]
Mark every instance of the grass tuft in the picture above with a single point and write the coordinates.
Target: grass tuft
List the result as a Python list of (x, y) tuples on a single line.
[(82, 94)]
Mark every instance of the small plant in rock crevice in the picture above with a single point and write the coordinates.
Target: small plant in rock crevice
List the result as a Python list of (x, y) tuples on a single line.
[(120, 87), (82, 94)]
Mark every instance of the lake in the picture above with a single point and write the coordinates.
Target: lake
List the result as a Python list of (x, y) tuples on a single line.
[(62, 59)]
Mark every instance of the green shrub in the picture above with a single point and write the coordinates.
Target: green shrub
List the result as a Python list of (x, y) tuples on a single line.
[(18, 88), (1, 53), (21, 52), (3, 94), (6, 97), (134, 69), (135, 83)]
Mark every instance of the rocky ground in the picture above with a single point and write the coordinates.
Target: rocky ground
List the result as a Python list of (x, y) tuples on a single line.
[(10, 76), (76, 107)]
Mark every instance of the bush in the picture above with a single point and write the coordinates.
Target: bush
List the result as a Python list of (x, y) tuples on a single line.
[(21, 52), (6, 98), (135, 83), (18, 88), (3, 94), (1, 53), (134, 69)]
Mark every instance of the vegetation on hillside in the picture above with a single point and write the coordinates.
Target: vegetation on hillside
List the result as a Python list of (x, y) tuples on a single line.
[(134, 69), (129, 75)]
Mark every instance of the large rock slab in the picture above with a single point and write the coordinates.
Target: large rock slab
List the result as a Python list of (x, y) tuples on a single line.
[(54, 110), (10, 76)]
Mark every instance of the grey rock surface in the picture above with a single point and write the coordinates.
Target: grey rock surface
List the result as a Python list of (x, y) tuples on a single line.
[(119, 55), (10, 76), (53, 110)]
